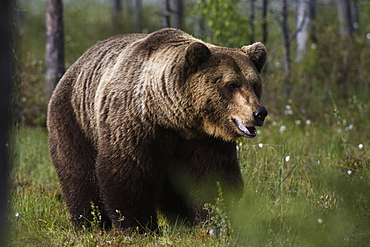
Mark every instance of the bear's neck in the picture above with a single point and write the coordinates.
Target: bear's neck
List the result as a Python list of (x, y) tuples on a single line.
[(165, 103)]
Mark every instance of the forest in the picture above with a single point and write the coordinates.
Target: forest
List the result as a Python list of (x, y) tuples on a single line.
[(306, 174)]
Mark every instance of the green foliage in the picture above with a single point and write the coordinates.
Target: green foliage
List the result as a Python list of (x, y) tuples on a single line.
[(224, 21), (218, 216), (29, 92), (96, 216)]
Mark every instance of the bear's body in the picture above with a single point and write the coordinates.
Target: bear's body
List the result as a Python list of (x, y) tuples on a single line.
[(147, 122)]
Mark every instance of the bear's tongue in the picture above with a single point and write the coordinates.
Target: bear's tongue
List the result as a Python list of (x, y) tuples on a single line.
[(249, 131)]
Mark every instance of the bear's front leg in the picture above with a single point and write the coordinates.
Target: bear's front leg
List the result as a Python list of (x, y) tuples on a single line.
[(211, 161), (128, 192)]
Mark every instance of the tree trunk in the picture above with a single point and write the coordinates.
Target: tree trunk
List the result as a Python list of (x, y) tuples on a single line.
[(286, 38), (116, 8), (116, 15), (6, 74), (252, 21), (178, 13), (138, 5), (286, 42), (345, 18), (54, 45), (166, 13), (305, 16), (354, 14), (264, 22)]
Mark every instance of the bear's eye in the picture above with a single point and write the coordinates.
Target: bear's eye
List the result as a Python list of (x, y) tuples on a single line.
[(233, 86)]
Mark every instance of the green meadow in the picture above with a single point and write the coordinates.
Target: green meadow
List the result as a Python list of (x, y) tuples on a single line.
[(306, 174)]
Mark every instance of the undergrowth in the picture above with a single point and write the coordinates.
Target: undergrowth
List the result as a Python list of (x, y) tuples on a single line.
[(302, 187)]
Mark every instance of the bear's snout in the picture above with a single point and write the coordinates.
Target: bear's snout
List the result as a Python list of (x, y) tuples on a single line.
[(259, 116)]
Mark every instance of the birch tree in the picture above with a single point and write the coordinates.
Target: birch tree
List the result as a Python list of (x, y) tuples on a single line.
[(137, 17), (54, 45), (286, 38), (305, 17), (345, 17)]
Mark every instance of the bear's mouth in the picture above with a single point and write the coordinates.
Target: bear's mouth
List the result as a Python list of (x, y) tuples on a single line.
[(247, 131)]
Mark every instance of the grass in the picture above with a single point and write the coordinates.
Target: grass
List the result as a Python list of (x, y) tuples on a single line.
[(319, 196)]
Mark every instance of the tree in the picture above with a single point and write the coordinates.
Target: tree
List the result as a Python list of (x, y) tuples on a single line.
[(345, 17), (286, 38), (264, 22), (354, 13), (6, 74), (178, 13), (137, 17), (223, 20), (116, 8), (305, 17), (166, 13), (252, 21), (54, 45)]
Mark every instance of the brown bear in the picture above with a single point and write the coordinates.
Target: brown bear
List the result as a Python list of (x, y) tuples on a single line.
[(141, 123)]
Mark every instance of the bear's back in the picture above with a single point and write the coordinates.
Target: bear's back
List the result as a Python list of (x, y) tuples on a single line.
[(80, 82)]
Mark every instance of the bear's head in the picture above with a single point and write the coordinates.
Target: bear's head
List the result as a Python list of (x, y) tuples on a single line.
[(225, 88)]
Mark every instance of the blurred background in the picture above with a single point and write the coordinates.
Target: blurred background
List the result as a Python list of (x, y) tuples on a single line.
[(306, 174)]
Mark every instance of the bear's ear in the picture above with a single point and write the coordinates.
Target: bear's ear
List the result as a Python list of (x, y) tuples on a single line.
[(257, 52), (197, 53)]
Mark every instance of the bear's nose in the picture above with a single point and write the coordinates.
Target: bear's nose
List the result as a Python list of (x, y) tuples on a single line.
[(259, 115)]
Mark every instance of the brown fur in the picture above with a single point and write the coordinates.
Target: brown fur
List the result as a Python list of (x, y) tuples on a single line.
[(143, 122)]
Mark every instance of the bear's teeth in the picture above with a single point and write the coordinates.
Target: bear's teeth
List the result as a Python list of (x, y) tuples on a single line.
[(249, 131)]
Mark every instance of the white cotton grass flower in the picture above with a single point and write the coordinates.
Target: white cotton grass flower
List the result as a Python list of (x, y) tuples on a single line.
[(349, 127), (320, 221), (308, 122), (282, 128), (17, 214), (259, 132), (360, 146), (298, 122), (215, 231), (287, 158), (349, 172), (288, 110), (260, 145)]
